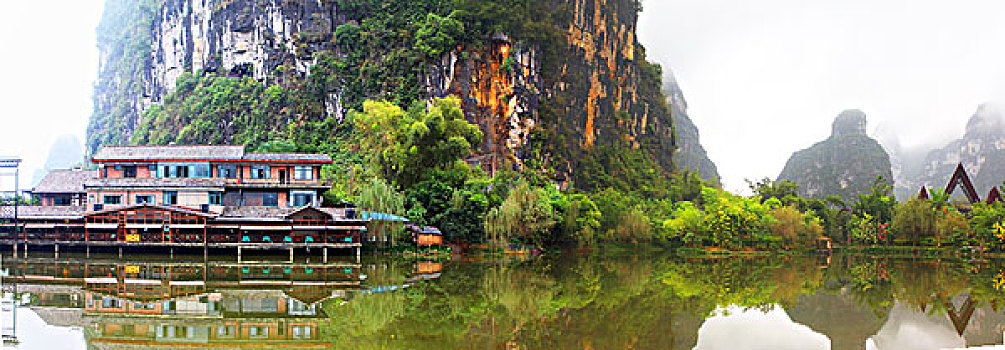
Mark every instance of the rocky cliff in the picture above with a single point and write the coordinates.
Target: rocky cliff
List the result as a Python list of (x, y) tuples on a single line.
[(981, 150), (690, 153), (123, 47), (555, 85), (845, 164)]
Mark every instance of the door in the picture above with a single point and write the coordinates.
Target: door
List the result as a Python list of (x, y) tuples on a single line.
[(282, 176)]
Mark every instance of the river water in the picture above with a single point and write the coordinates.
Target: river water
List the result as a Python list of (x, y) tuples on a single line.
[(567, 301)]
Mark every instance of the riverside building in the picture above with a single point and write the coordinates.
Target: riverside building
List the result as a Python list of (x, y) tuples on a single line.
[(189, 196)]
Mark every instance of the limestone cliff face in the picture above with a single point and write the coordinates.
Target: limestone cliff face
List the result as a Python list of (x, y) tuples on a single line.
[(845, 164), (600, 88), (608, 84), (236, 38), (981, 150), (500, 86), (690, 153)]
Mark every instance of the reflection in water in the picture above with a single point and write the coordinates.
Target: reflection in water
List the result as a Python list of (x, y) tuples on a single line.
[(559, 302), (737, 328), (140, 304), (910, 329)]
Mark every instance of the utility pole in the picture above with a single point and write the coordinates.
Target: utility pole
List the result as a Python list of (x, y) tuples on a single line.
[(10, 211)]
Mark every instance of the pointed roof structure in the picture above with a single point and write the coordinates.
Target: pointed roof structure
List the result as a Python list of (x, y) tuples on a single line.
[(993, 196), (923, 194), (961, 317), (960, 177)]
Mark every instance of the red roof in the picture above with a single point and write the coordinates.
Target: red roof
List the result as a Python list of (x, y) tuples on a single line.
[(994, 196)]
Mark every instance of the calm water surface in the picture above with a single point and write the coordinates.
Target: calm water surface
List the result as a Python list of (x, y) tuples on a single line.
[(627, 301)]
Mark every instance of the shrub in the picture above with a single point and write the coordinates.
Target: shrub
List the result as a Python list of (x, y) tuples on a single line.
[(634, 227), (795, 227), (914, 221)]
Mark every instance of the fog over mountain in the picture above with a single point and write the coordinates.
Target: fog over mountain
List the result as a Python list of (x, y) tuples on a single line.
[(763, 79), (66, 152), (981, 150)]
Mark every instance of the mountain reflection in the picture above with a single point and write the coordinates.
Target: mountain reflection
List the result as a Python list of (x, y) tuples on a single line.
[(569, 301)]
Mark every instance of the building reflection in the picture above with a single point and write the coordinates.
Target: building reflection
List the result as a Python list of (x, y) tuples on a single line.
[(152, 305)]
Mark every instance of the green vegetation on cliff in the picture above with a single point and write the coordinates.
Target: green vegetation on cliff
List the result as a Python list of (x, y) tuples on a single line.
[(124, 39)]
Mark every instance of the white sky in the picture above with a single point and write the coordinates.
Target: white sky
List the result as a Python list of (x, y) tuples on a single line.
[(766, 78), (763, 78), (48, 64)]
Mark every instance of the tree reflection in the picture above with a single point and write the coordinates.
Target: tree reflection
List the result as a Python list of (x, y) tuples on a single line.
[(654, 301)]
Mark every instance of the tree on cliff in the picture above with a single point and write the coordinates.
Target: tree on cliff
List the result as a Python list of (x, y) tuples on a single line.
[(406, 146)]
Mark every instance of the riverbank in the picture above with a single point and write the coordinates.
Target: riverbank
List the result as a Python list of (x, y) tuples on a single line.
[(449, 251)]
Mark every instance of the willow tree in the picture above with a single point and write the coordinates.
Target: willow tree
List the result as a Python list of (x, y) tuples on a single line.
[(379, 196), (526, 214)]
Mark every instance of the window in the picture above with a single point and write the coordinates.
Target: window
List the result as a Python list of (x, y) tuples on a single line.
[(61, 201), (226, 331), (200, 170), (183, 170), (144, 306), (303, 173), (215, 198), (129, 171), (144, 199), (301, 332), (258, 332), (113, 200), (170, 198), (177, 332), (111, 303), (152, 169), (259, 172), (227, 171), (270, 199), (298, 308), (173, 171), (259, 199), (302, 198)]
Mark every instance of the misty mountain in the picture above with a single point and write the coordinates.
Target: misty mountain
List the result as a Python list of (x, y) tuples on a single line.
[(981, 149), (690, 154), (845, 164), (66, 152)]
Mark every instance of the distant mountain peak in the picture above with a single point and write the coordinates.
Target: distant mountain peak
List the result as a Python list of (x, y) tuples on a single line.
[(988, 120), (849, 122), (845, 164)]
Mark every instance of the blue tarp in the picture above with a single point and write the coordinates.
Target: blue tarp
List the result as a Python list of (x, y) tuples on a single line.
[(367, 215)]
